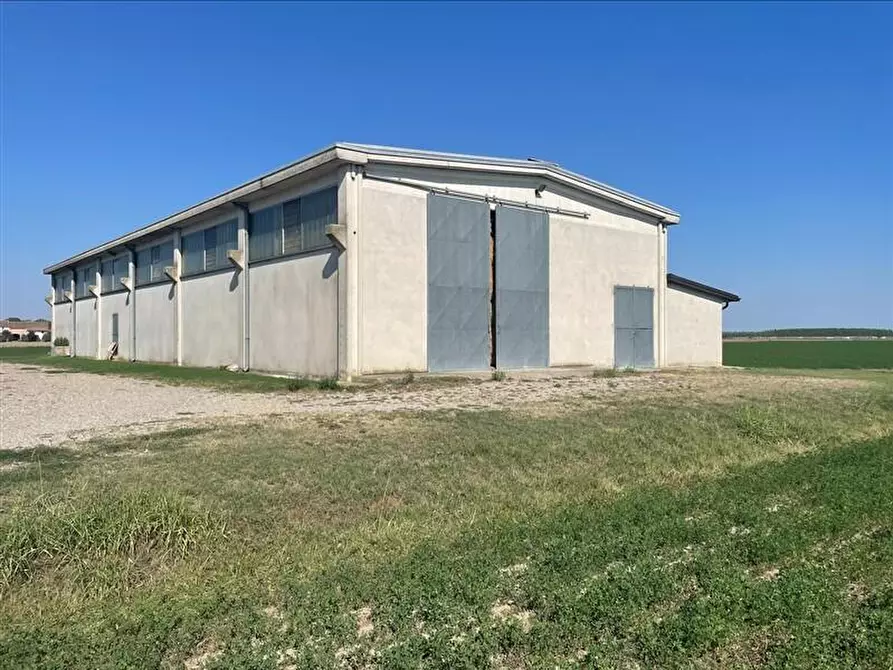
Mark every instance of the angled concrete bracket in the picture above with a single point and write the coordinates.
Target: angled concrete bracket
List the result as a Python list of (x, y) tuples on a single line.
[(94, 289), (69, 296), (337, 232), (237, 258), (172, 272), (49, 299), (125, 282)]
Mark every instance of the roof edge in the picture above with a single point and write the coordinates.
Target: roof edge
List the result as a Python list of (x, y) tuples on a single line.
[(380, 154), (326, 155), (698, 287), (362, 154)]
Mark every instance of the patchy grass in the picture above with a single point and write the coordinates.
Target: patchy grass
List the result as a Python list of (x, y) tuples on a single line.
[(753, 532), (85, 529), (209, 377), (816, 354), (168, 374)]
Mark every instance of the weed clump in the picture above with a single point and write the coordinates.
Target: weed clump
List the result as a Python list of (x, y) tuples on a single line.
[(327, 384), (99, 526), (298, 384)]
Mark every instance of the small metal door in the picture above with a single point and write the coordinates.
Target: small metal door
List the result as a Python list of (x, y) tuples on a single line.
[(633, 327)]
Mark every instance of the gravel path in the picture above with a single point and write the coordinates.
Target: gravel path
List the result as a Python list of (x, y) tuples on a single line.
[(41, 406)]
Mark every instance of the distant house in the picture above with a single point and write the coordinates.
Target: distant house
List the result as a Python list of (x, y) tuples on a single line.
[(21, 328)]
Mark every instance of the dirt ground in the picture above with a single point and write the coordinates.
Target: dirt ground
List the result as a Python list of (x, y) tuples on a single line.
[(47, 407)]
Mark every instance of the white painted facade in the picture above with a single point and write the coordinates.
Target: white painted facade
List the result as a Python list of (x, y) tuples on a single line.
[(359, 305), (694, 329)]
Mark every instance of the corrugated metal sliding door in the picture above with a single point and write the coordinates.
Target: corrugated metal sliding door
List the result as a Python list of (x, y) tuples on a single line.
[(522, 288), (458, 284), (633, 327)]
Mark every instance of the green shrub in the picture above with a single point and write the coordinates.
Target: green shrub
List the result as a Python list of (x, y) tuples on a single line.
[(328, 384), (303, 383), (497, 376), (60, 342), (299, 384)]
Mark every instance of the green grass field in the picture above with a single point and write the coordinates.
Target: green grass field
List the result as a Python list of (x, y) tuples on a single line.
[(815, 354), (748, 528)]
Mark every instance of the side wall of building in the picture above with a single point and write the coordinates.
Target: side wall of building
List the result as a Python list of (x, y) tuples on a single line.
[(294, 314), (86, 343), (62, 320), (212, 318), (394, 278), (588, 257), (155, 327), (694, 329), (115, 303)]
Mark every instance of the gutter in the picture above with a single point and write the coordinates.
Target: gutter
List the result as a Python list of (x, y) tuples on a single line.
[(245, 348), (704, 289)]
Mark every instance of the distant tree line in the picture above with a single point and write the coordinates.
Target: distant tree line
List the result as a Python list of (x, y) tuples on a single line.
[(30, 336), (811, 332)]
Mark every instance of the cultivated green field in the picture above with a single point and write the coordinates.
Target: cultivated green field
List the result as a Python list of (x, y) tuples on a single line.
[(815, 354), (744, 521)]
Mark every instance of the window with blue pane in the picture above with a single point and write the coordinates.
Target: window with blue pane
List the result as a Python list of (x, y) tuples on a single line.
[(294, 226), (84, 278), (61, 284), (151, 261), (207, 249), (266, 233), (143, 266), (113, 271)]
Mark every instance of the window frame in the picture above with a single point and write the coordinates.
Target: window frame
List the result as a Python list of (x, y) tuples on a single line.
[(82, 287), (111, 282), (154, 269), (65, 279), (213, 256), (283, 246)]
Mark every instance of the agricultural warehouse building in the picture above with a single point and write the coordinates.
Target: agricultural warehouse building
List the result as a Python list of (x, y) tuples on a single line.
[(364, 259)]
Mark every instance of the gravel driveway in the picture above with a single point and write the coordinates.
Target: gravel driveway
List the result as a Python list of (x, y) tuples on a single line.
[(40, 406)]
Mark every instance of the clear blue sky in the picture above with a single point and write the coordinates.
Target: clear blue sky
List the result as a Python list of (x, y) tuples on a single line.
[(768, 126)]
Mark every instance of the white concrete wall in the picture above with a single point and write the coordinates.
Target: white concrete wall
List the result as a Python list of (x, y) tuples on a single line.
[(116, 303), (694, 329), (211, 328), (85, 342), (294, 314), (394, 283), (155, 313), (62, 313), (588, 257)]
